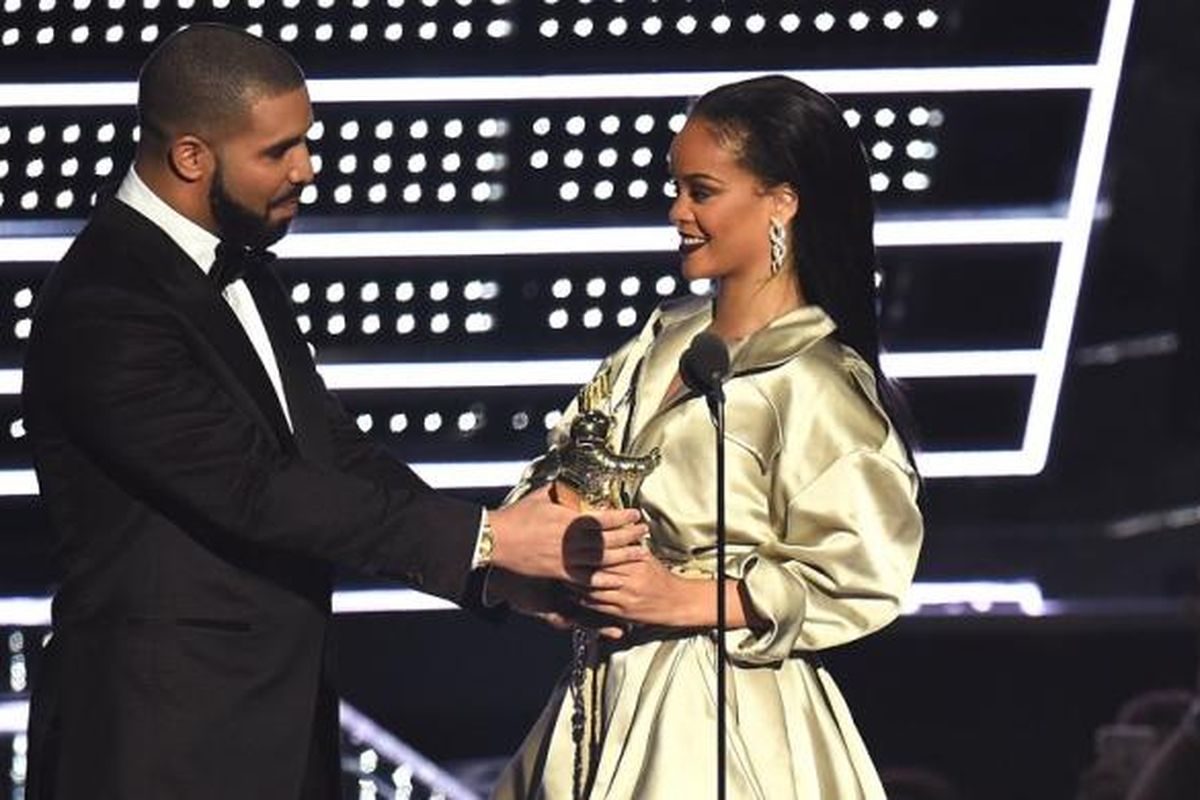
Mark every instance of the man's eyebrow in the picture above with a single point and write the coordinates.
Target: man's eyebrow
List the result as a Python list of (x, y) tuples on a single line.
[(284, 144)]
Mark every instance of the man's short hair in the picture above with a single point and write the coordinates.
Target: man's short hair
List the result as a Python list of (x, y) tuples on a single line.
[(203, 78)]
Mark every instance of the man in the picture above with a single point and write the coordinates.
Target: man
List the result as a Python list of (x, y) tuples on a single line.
[(202, 482)]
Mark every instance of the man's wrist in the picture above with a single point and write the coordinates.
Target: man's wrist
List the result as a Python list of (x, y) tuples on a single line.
[(485, 543)]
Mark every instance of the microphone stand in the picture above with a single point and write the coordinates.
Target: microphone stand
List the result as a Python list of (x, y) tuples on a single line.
[(703, 368), (716, 401)]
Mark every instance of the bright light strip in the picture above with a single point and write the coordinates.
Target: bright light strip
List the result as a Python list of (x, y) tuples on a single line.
[(369, 601), (960, 363), (34, 612), (577, 371), (979, 596), (459, 374), (974, 463), (1068, 277), (18, 483), (440, 475), (14, 716), (567, 241), (503, 474), (1022, 78), (24, 612)]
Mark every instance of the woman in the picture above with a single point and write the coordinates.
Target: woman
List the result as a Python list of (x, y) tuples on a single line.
[(823, 531)]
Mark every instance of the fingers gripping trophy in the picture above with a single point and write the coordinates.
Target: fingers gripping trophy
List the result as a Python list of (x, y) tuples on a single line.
[(587, 473)]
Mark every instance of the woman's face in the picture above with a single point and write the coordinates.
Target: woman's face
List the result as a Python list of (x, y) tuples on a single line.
[(721, 210)]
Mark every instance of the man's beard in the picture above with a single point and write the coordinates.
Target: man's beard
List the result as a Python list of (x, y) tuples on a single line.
[(236, 223)]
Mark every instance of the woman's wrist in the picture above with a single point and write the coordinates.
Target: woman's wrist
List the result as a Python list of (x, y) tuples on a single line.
[(699, 606)]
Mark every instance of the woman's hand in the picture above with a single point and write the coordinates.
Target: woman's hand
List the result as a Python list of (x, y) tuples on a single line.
[(645, 591)]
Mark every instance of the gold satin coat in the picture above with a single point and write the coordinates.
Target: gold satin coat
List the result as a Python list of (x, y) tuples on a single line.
[(824, 531)]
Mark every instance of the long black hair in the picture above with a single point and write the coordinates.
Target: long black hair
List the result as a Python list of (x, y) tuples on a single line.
[(787, 133)]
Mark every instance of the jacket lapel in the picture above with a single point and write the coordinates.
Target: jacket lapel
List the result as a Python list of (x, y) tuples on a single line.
[(301, 384), (165, 266)]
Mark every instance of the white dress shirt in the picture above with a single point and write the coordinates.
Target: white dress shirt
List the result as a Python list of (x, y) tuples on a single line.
[(201, 246)]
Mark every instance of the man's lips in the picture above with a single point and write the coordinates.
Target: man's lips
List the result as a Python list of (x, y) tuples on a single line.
[(290, 204)]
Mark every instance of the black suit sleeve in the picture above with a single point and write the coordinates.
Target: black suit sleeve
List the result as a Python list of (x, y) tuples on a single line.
[(133, 388)]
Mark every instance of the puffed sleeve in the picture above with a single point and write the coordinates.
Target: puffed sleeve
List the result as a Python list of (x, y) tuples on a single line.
[(847, 546), (843, 568)]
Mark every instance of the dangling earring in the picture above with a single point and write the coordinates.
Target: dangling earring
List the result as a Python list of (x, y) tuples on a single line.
[(777, 235)]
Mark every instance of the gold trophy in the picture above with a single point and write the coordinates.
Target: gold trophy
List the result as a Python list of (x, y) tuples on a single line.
[(587, 473)]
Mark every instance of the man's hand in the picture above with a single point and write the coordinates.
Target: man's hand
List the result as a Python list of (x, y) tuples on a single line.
[(539, 538), (549, 601)]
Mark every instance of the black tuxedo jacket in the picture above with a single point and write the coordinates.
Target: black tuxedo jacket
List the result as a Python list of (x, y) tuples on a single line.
[(195, 534)]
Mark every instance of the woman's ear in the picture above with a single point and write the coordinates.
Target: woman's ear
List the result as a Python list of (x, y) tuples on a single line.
[(785, 203), (190, 158)]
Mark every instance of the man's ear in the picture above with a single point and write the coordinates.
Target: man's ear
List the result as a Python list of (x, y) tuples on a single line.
[(190, 158), (785, 204)]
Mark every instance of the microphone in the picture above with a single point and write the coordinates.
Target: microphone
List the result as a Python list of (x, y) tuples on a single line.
[(704, 366)]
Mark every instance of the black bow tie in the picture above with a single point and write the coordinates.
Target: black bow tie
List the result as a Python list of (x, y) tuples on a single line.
[(233, 261)]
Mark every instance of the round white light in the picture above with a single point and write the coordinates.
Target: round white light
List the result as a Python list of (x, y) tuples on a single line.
[(573, 158), (916, 181)]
